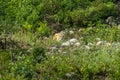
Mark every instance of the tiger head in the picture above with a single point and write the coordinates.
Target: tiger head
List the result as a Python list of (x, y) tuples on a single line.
[(58, 36)]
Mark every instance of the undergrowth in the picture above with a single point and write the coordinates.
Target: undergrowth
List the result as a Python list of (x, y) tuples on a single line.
[(38, 62)]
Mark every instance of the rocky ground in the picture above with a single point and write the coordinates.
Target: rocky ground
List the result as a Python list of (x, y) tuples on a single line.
[(72, 40)]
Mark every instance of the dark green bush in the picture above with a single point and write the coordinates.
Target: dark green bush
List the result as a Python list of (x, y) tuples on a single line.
[(43, 29), (80, 13), (24, 64), (38, 54)]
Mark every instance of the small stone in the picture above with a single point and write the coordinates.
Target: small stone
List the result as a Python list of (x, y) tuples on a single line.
[(77, 44), (98, 43), (73, 40), (46, 38), (53, 48), (118, 26), (90, 44), (67, 43), (64, 52), (48, 52), (70, 74), (98, 39), (79, 30), (108, 44), (59, 50), (87, 47), (71, 32)]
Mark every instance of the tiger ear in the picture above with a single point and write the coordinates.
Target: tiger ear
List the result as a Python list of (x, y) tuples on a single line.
[(55, 37)]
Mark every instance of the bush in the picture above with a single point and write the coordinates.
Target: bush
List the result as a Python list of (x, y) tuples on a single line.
[(80, 13), (23, 66), (27, 26), (38, 54), (44, 30)]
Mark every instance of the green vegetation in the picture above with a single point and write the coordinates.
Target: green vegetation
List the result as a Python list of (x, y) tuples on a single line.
[(98, 62), (28, 51), (70, 13)]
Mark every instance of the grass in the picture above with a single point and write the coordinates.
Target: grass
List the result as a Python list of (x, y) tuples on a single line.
[(42, 62)]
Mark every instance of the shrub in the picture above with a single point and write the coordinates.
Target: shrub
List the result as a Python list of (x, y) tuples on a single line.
[(73, 12), (27, 26), (43, 29), (38, 54), (77, 16)]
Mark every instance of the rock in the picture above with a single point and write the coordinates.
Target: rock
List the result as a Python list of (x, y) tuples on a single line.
[(64, 52), (87, 47), (110, 21), (98, 43), (117, 20), (73, 40), (77, 44), (118, 26), (67, 43), (108, 44), (79, 30), (90, 44), (98, 39), (70, 74), (70, 42), (71, 32), (53, 48)]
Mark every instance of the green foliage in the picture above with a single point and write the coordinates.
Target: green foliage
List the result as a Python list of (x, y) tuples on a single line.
[(96, 63), (22, 66), (30, 58), (73, 12), (39, 62), (43, 29), (103, 32), (78, 16), (27, 26), (38, 54)]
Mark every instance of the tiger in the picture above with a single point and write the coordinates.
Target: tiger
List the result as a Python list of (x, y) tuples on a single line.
[(59, 36)]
